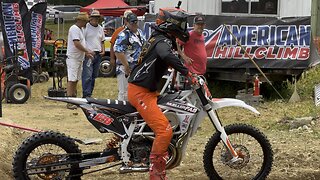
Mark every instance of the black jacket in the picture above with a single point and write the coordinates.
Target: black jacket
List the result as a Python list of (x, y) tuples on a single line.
[(155, 62)]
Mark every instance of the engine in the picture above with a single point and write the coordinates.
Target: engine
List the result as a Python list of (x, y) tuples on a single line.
[(140, 148)]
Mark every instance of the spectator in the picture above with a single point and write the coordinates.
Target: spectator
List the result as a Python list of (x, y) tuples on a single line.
[(94, 36), (115, 35), (76, 52), (194, 50), (108, 31), (48, 34), (127, 50)]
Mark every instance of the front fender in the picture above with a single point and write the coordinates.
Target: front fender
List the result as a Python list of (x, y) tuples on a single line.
[(228, 102)]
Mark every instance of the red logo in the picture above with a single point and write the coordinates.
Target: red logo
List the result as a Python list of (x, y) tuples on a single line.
[(104, 119)]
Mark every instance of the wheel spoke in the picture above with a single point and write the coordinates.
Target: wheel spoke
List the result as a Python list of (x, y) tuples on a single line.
[(244, 145), (252, 162), (44, 148)]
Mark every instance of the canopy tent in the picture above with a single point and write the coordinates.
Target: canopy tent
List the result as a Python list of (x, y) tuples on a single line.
[(113, 8)]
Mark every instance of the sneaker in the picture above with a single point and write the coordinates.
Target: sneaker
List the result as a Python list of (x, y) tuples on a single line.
[(71, 106)]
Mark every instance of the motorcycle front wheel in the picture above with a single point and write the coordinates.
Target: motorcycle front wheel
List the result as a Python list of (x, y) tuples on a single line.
[(251, 145), (43, 149)]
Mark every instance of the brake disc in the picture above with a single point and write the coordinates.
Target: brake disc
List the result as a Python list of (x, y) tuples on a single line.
[(242, 152), (48, 159)]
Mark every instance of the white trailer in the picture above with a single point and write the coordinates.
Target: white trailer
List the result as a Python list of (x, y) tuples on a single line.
[(285, 8)]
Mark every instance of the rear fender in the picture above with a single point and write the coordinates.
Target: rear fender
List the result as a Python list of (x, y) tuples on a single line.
[(229, 102), (72, 100)]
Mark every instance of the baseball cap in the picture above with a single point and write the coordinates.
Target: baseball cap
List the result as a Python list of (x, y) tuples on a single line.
[(108, 27), (199, 20), (131, 17)]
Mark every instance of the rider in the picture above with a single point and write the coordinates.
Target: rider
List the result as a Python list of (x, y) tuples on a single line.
[(156, 56)]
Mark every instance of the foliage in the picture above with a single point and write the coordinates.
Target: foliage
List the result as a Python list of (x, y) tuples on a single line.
[(307, 82), (268, 92), (224, 88)]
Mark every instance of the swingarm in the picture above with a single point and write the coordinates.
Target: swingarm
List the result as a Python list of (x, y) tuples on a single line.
[(79, 160)]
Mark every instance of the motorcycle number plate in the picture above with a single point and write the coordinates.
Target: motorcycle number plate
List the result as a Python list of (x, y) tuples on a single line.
[(102, 118)]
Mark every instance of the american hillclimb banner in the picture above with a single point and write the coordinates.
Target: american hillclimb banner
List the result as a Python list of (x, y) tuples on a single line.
[(271, 42)]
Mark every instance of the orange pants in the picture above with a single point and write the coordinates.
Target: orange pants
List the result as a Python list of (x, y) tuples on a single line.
[(146, 104)]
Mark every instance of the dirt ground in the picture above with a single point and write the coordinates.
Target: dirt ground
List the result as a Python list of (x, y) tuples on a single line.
[(296, 151)]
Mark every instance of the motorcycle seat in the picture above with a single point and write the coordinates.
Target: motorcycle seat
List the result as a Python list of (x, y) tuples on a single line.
[(123, 106)]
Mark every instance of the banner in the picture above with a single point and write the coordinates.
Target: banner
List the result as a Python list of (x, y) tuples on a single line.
[(23, 30), (14, 24), (37, 24), (271, 42)]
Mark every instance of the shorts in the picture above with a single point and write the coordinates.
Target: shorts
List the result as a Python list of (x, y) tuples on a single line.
[(74, 68)]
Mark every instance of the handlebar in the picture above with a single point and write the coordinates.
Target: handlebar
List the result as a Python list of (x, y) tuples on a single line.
[(173, 80)]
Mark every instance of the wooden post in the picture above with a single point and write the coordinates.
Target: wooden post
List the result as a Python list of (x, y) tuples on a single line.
[(315, 18), (315, 23)]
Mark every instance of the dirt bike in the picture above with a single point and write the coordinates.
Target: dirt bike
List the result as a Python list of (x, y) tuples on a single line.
[(237, 151)]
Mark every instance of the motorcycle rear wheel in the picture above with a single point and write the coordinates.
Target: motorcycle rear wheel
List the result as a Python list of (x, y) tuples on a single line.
[(42, 148), (250, 144)]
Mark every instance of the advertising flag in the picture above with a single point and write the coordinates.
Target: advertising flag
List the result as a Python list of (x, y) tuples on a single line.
[(13, 18), (37, 24)]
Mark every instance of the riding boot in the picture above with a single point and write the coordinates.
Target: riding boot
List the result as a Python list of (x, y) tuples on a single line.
[(157, 169)]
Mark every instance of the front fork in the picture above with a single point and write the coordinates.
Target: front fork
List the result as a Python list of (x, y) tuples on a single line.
[(224, 137), (216, 122)]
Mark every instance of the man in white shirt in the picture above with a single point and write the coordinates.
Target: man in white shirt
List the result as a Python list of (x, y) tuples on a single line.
[(76, 52), (94, 36)]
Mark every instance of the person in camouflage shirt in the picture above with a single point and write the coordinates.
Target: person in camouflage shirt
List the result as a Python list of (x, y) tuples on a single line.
[(127, 49)]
